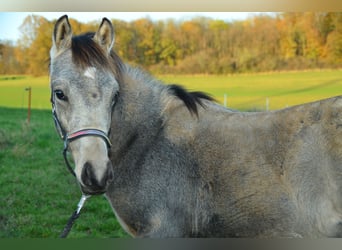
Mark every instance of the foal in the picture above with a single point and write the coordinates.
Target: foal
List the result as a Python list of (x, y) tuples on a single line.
[(173, 163)]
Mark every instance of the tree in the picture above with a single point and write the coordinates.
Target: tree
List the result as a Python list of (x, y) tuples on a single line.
[(7, 58), (201, 45), (333, 48)]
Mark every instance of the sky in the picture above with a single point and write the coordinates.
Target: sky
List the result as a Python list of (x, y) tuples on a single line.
[(11, 21)]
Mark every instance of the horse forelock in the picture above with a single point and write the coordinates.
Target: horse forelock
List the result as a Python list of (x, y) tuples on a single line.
[(87, 53)]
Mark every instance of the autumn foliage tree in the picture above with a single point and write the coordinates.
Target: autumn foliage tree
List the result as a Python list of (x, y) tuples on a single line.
[(286, 41)]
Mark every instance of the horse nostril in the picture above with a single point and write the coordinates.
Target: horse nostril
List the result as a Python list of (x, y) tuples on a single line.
[(88, 177), (107, 177), (110, 172)]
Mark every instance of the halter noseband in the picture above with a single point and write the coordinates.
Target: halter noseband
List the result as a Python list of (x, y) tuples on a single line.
[(67, 138)]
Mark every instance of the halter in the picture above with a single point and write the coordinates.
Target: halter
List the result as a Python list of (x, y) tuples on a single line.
[(67, 138)]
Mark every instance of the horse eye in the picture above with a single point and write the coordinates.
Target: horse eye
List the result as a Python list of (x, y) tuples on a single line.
[(60, 95)]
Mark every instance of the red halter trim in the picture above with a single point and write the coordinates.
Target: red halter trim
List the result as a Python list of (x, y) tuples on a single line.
[(89, 132)]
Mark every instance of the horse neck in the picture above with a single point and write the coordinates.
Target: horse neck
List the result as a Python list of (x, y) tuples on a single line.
[(138, 110), (141, 94)]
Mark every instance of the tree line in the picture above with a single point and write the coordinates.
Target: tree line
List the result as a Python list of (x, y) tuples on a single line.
[(285, 41)]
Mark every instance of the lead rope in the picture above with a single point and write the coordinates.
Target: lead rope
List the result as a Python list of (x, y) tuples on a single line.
[(74, 216), (67, 139)]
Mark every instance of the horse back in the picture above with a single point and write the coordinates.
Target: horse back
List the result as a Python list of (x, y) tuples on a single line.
[(267, 173)]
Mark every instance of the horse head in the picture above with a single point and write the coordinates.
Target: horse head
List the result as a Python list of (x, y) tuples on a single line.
[(84, 86)]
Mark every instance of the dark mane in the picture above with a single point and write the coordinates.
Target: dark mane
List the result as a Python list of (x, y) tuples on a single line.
[(87, 53), (190, 99)]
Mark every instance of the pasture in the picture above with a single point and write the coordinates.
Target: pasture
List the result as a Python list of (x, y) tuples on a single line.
[(283, 89), (244, 92), (38, 194)]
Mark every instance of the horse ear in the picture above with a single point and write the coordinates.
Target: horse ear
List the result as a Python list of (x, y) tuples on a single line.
[(62, 34), (105, 35)]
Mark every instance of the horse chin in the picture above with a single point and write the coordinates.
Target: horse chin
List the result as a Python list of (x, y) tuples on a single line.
[(89, 191)]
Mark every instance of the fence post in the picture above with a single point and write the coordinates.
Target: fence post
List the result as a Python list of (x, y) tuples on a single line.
[(267, 104), (29, 104), (225, 99)]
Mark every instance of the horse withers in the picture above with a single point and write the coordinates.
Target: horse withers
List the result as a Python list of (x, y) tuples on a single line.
[(181, 165)]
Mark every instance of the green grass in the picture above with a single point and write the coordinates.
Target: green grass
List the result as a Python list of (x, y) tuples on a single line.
[(244, 92), (38, 194), (13, 91)]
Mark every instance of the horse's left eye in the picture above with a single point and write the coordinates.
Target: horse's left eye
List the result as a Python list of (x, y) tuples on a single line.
[(60, 95)]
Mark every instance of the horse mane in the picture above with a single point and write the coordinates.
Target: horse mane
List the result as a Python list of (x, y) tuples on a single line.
[(87, 53), (190, 99)]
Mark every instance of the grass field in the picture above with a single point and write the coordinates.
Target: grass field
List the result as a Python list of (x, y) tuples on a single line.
[(249, 92), (38, 194), (13, 93), (244, 92)]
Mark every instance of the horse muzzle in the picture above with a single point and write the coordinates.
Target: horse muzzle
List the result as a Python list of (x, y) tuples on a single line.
[(91, 184)]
